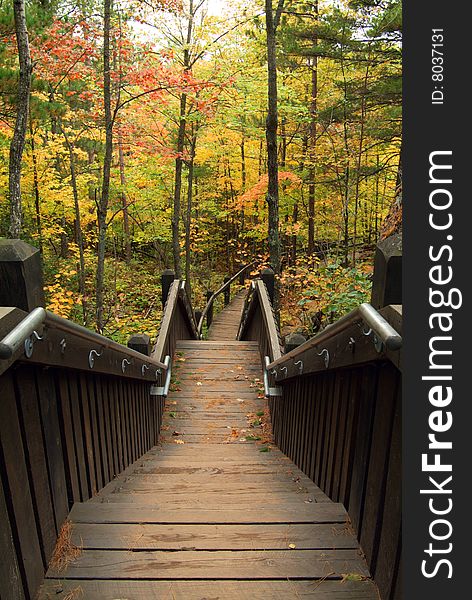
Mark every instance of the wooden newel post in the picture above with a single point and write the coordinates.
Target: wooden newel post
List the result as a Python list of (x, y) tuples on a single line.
[(242, 277), (268, 277), (21, 275), (209, 294), (227, 292), (387, 281), (167, 278), (141, 343)]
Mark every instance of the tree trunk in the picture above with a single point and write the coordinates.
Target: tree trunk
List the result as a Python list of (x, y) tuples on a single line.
[(393, 221), (37, 202), (102, 208), (178, 186), (188, 218), (79, 239), (180, 150), (124, 199), (23, 97), (312, 157), (271, 138)]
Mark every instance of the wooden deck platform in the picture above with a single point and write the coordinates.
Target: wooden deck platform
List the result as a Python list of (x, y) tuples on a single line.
[(214, 511), (225, 324)]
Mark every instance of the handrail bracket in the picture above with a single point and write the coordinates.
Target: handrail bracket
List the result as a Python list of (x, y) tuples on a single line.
[(163, 391), (270, 392)]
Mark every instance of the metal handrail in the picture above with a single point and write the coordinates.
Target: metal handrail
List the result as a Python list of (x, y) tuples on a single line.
[(365, 313), (40, 317), (19, 334), (215, 294)]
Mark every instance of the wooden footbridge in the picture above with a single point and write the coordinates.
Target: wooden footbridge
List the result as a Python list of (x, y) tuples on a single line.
[(211, 469)]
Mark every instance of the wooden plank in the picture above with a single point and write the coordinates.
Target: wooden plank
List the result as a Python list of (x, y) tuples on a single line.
[(94, 426), (107, 417), (363, 436), (79, 441), (131, 422), (239, 499), (237, 486), (388, 555), (67, 431), (11, 586), (277, 564), (350, 440), (57, 589), (101, 430), (227, 470), (52, 438), (124, 423), (115, 427), (378, 464), (212, 537), (337, 465), (87, 429), (17, 488), (28, 407), (136, 395), (134, 513)]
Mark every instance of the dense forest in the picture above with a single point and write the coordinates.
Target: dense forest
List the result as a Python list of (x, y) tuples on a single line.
[(200, 135)]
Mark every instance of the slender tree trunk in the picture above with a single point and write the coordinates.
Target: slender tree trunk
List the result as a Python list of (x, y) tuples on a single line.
[(188, 218), (22, 110), (124, 199), (37, 200), (180, 150), (359, 161), (271, 138), (312, 169), (243, 163), (178, 186), (102, 208), (79, 239), (347, 169)]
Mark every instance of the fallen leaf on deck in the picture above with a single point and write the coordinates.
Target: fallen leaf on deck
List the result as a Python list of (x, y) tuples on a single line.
[(179, 441), (292, 546)]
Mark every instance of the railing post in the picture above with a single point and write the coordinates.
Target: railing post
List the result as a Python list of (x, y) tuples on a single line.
[(141, 343), (167, 279), (198, 316), (293, 340), (242, 277), (227, 292), (21, 275), (268, 277), (387, 281), (209, 294)]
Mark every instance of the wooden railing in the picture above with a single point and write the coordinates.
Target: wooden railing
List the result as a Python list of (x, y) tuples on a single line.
[(258, 322), (335, 408), (178, 322), (73, 416)]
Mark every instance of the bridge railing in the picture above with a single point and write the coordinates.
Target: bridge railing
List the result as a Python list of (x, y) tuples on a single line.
[(76, 409), (258, 322), (335, 405)]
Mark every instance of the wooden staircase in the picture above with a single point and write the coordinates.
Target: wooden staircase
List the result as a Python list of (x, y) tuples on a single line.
[(215, 511)]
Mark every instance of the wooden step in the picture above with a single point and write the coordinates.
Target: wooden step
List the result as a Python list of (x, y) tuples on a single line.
[(212, 537), (221, 564), (90, 512), (323, 589)]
